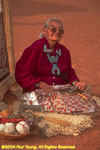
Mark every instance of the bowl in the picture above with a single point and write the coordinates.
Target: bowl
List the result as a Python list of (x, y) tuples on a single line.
[(13, 137)]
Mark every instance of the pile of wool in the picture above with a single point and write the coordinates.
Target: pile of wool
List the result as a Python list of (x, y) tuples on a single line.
[(97, 99), (78, 123)]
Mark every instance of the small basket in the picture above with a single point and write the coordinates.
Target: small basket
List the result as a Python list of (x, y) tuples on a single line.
[(5, 114), (13, 137)]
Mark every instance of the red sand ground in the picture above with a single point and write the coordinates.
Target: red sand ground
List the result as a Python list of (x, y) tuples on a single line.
[(81, 20)]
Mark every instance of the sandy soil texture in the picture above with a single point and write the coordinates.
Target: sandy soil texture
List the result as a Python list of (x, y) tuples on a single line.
[(81, 19)]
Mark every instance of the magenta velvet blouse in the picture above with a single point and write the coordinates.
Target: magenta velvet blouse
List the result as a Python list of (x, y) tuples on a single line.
[(38, 63)]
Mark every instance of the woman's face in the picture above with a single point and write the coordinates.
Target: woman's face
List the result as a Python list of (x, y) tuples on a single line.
[(54, 31)]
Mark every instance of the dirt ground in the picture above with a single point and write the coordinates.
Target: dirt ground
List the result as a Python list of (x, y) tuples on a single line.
[(81, 20)]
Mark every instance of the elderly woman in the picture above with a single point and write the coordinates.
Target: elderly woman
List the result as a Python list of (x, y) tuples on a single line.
[(46, 64)]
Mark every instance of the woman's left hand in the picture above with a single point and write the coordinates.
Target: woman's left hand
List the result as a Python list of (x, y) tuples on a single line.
[(80, 85)]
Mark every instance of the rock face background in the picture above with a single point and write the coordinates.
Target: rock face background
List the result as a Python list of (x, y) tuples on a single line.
[(81, 20)]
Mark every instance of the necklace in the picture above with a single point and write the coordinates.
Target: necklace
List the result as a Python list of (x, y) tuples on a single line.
[(53, 59)]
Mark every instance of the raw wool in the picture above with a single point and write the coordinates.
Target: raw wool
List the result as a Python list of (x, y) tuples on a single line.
[(78, 123), (9, 128), (30, 98), (97, 99), (22, 127), (2, 127)]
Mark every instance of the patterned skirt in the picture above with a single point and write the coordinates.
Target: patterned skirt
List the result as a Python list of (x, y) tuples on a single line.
[(64, 103)]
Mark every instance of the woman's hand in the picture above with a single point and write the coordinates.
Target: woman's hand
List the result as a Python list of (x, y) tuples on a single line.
[(80, 85), (48, 89)]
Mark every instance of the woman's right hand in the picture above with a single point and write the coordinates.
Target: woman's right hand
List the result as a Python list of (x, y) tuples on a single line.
[(49, 90)]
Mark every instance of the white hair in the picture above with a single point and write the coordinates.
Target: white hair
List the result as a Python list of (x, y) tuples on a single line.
[(50, 20), (47, 24)]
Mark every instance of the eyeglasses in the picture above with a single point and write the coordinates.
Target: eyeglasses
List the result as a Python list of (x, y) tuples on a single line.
[(54, 30)]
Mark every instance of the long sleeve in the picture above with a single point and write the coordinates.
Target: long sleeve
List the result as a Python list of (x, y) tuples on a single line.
[(71, 72), (34, 66), (25, 68)]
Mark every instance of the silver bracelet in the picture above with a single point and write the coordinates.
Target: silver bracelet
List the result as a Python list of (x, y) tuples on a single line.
[(73, 83)]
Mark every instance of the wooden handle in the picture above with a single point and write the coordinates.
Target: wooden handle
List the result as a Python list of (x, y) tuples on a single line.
[(57, 121), (82, 96), (53, 120)]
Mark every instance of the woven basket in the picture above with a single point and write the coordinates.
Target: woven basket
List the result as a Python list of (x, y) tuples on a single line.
[(13, 137), (6, 113)]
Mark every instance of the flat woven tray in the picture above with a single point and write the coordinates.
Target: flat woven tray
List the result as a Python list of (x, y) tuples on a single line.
[(13, 137)]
